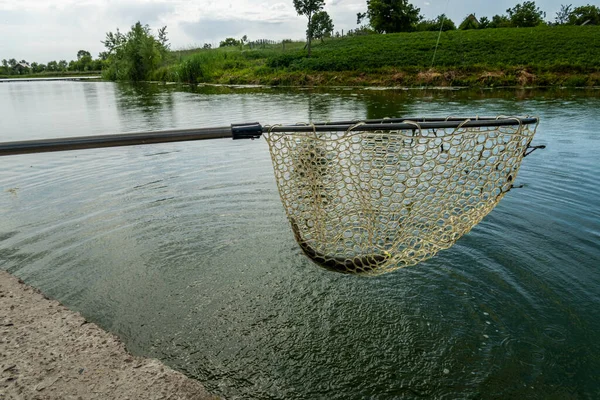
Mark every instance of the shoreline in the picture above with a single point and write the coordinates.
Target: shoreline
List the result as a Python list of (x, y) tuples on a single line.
[(372, 88), (53, 78), (512, 78), (50, 352)]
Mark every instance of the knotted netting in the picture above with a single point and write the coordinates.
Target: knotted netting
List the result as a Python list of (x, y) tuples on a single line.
[(372, 198)]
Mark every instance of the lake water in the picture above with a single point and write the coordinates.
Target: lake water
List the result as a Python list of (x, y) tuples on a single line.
[(183, 249)]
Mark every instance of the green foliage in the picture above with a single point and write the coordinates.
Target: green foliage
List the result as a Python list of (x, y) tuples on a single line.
[(53, 66), (583, 14), (562, 16), (500, 21), (204, 65), (361, 30), (526, 15), (230, 42), (442, 21), (321, 26), (308, 8), (83, 53), (470, 22), (389, 16), (135, 55), (84, 62), (543, 46), (479, 57), (484, 22)]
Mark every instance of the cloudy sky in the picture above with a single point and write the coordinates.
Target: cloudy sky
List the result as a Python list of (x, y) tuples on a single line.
[(45, 30)]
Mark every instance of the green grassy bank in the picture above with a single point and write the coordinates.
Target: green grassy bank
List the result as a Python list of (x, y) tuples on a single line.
[(541, 56)]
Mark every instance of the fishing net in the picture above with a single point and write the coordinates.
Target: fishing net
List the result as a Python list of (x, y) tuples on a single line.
[(374, 198)]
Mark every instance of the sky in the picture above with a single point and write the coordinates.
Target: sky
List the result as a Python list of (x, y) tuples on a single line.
[(46, 30)]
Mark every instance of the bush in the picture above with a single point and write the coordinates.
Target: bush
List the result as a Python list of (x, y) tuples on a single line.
[(135, 55), (190, 70), (283, 60)]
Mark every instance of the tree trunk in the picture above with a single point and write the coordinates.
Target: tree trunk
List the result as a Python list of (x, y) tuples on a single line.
[(308, 35)]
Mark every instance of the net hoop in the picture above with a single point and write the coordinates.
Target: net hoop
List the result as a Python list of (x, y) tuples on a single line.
[(369, 198)]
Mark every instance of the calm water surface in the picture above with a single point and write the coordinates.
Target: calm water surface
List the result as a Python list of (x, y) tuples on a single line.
[(184, 251)]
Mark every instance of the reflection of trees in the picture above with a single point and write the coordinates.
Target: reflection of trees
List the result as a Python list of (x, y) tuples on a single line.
[(90, 93), (387, 103), (318, 107), (150, 104), (153, 106)]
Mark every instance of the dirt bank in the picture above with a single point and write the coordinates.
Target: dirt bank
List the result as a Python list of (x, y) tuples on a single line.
[(50, 352)]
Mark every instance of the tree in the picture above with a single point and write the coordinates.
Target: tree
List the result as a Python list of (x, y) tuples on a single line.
[(84, 60), (12, 63), (499, 21), (229, 42), (389, 16), (162, 38), (562, 16), (321, 26), (585, 15), (36, 68), (134, 55), (62, 65), (308, 8), (525, 15), (361, 31), (83, 53), (442, 21), (52, 66), (484, 22), (470, 22)]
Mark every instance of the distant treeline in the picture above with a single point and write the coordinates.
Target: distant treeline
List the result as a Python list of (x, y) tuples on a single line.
[(84, 63), (386, 16)]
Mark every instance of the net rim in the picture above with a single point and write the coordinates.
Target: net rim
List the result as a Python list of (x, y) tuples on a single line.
[(407, 124)]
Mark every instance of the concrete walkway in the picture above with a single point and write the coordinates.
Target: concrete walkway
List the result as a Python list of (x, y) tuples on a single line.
[(50, 352)]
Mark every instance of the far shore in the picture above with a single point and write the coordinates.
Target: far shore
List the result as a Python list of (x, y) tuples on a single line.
[(378, 81), (53, 78)]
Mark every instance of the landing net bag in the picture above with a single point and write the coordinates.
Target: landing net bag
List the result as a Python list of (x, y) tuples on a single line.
[(375, 198)]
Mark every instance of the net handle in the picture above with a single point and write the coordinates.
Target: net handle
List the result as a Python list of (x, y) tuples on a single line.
[(250, 131)]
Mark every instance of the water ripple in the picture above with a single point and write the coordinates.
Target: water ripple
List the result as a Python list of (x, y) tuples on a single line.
[(184, 251)]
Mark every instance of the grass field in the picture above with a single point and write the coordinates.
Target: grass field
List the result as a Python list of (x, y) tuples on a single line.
[(544, 48), (542, 56)]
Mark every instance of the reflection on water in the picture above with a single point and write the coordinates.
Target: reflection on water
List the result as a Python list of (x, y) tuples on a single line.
[(183, 249)]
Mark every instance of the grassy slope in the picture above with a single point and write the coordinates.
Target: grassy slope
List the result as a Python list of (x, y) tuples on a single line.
[(565, 55), (542, 47)]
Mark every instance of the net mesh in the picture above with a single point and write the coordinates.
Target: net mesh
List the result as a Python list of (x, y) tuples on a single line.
[(371, 202)]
